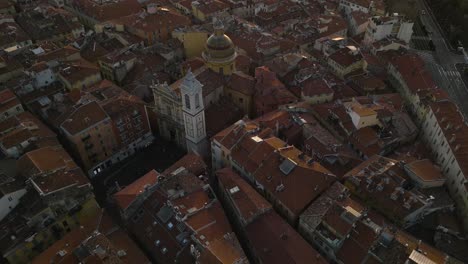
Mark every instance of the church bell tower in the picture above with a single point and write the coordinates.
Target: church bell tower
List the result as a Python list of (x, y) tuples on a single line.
[(194, 115)]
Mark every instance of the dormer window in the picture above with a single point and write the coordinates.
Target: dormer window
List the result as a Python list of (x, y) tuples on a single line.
[(187, 101)]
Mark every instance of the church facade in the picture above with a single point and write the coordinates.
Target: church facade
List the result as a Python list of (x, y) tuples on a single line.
[(180, 106)]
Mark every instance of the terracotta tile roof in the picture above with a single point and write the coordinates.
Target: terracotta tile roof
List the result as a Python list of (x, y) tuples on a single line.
[(243, 63), (16, 137), (181, 179), (356, 247), (193, 202), (78, 71), (380, 178), (8, 100), (212, 228), (40, 66), (230, 136), (345, 58), (209, 79), (211, 6), (127, 195), (267, 161), (275, 241), (270, 92), (316, 87), (367, 141), (27, 121), (248, 203), (192, 162), (97, 232), (163, 19), (220, 115), (193, 64), (426, 170), (368, 83), (152, 227), (60, 180), (335, 24), (60, 54), (107, 11), (49, 159), (84, 117), (242, 83), (411, 68), (259, 46)]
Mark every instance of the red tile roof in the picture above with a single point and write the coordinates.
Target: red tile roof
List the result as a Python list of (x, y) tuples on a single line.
[(108, 236), (59, 180), (192, 162), (379, 178), (316, 87), (84, 117), (8, 100), (163, 19), (211, 227), (48, 159), (275, 241), (345, 57), (107, 11), (265, 160), (127, 195), (411, 68), (248, 203), (242, 83)]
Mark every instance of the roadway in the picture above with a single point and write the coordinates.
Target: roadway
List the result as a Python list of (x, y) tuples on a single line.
[(442, 62)]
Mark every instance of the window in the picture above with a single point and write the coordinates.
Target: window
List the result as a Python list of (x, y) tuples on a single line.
[(197, 101), (187, 101), (10, 199)]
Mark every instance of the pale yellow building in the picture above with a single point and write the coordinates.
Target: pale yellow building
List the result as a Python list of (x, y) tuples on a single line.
[(193, 39), (206, 10)]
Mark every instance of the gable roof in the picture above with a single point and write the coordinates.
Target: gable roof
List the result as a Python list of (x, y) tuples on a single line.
[(127, 195)]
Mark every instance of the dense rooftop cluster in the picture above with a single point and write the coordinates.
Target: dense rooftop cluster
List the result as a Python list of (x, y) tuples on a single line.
[(312, 133)]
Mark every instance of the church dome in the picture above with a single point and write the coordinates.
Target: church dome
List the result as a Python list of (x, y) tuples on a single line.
[(219, 45)]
